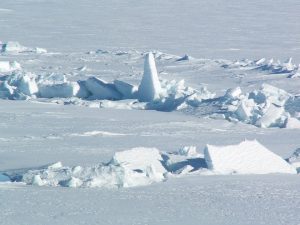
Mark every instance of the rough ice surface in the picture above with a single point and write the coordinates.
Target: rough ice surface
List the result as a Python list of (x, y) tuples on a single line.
[(135, 167), (144, 166), (149, 88), (195, 112), (266, 107), (248, 157), (271, 66)]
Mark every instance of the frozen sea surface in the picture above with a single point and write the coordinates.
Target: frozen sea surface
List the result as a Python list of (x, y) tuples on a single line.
[(115, 33), (210, 29)]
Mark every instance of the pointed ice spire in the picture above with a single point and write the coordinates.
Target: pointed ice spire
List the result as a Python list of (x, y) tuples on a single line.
[(149, 88)]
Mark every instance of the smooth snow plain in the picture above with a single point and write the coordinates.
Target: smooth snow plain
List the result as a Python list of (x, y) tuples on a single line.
[(82, 142)]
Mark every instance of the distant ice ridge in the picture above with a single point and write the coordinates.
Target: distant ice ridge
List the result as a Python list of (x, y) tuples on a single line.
[(144, 166), (266, 107), (271, 66), (12, 47), (152, 93)]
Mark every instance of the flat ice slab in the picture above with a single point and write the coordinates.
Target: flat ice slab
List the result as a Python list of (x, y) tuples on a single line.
[(140, 159), (248, 157)]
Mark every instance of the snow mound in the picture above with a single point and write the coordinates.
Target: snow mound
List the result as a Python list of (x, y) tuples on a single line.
[(149, 88), (248, 157), (15, 47)]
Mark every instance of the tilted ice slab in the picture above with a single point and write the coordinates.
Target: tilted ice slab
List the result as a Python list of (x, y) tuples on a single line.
[(248, 157), (101, 89)]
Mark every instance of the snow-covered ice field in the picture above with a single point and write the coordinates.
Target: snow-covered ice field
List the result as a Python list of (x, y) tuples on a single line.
[(94, 129)]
